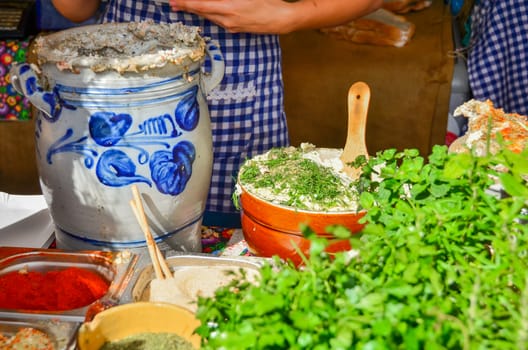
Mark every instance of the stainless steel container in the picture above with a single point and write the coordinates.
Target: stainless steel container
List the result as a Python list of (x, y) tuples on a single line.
[(60, 333), (186, 269), (116, 267)]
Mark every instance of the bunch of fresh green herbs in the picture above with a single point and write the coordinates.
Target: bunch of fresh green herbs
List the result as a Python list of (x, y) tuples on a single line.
[(442, 264)]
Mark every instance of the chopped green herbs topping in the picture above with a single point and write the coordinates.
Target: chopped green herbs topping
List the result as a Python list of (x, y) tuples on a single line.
[(286, 176)]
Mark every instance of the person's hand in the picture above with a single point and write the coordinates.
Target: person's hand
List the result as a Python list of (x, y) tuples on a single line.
[(249, 16), (276, 16)]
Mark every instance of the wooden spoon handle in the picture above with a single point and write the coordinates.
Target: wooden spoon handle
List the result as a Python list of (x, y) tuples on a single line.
[(137, 207), (358, 104)]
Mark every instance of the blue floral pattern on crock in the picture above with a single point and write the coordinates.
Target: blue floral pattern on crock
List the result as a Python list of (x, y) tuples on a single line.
[(170, 170)]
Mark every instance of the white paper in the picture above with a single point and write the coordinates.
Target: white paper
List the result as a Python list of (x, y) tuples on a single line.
[(25, 221)]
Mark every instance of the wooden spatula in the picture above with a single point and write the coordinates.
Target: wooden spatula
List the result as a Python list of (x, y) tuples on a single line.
[(358, 103), (164, 287)]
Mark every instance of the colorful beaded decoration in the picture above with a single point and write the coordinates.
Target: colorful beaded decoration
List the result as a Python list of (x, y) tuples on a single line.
[(13, 106)]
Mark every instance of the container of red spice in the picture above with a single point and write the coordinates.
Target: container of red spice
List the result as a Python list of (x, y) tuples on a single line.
[(60, 285)]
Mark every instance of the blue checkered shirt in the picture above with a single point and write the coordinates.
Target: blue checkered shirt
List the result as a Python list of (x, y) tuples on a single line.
[(498, 56), (246, 109)]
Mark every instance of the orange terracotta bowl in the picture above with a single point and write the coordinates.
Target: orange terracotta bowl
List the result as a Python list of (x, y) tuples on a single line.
[(272, 229)]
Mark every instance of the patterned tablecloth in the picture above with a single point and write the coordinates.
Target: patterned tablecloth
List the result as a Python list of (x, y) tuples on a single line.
[(221, 241)]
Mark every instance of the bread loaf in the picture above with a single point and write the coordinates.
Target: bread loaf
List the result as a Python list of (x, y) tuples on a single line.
[(485, 122), (404, 6), (380, 27)]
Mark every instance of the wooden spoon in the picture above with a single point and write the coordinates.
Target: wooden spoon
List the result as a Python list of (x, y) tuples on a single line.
[(358, 103)]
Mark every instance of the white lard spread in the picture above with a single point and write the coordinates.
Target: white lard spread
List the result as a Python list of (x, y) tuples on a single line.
[(122, 47), (192, 282), (326, 157)]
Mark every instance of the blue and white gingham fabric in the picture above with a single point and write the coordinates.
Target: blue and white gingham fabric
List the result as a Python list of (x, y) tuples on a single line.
[(246, 109), (498, 54)]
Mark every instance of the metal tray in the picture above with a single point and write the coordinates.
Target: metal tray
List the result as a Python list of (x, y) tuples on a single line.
[(116, 267), (61, 333), (138, 289)]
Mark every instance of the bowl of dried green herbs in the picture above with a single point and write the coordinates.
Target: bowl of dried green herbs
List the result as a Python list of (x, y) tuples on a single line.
[(285, 188)]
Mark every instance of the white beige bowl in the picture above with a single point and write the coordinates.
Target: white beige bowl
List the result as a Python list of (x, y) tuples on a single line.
[(125, 320)]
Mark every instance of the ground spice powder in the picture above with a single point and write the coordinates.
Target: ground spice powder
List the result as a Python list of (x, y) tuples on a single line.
[(54, 290)]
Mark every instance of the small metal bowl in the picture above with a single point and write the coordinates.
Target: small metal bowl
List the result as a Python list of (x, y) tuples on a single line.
[(60, 333), (196, 275)]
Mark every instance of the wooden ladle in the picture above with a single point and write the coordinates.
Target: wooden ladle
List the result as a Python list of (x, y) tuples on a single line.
[(358, 103)]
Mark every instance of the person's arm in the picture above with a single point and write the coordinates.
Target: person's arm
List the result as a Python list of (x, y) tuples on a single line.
[(76, 10), (277, 16)]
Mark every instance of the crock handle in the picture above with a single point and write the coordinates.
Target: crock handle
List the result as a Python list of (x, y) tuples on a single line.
[(212, 79), (25, 81)]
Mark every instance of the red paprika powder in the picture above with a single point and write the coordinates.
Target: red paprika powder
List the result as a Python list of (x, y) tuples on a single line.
[(55, 290)]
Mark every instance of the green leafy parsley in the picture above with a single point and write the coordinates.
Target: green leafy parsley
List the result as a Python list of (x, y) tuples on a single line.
[(442, 264)]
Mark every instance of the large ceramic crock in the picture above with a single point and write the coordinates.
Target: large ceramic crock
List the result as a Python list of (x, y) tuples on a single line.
[(122, 104)]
